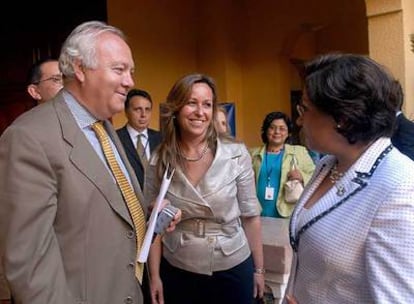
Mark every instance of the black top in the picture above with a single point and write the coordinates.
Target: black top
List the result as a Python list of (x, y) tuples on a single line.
[(403, 138)]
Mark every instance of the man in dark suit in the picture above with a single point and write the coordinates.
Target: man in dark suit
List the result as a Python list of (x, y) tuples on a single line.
[(138, 108), (403, 137)]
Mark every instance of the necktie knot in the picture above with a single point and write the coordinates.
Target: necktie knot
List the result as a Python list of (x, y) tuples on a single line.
[(98, 128), (98, 123)]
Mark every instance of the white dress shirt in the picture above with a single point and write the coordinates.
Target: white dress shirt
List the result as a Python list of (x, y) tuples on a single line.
[(144, 139)]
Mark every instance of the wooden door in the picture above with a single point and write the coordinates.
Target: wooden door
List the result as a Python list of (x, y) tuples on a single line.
[(32, 31)]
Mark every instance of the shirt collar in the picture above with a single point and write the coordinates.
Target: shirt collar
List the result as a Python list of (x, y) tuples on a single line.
[(82, 116), (134, 133)]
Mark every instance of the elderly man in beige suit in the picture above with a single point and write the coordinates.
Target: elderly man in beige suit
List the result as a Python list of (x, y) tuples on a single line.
[(66, 233)]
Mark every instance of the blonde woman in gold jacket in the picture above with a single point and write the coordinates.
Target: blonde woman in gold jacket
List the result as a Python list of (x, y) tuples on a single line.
[(216, 253), (272, 164)]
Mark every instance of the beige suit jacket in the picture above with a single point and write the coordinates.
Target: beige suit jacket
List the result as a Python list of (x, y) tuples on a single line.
[(65, 231)]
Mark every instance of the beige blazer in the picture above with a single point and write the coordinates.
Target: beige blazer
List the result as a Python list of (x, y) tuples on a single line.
[(65, 230)]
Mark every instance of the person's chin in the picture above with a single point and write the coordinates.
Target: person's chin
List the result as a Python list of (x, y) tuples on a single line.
[(119, 107), (196, 132), (277, 142)]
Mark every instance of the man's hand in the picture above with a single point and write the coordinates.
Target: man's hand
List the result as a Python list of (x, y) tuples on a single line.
[(295, 174)]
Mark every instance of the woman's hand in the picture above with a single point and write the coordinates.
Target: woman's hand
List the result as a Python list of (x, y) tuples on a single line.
[(259, 285), (176, 219), (164, 203), (295, 174), (291, 299), (174, 222), (157, 294)]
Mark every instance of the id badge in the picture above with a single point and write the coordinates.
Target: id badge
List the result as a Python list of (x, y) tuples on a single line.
[(269, 193)]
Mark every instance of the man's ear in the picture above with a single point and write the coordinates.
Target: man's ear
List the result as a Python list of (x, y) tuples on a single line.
[(79, 70), (33, 91)]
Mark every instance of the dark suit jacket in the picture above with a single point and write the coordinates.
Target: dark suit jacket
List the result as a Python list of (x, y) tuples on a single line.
[(154, 138), (65, 230), (403, 137)]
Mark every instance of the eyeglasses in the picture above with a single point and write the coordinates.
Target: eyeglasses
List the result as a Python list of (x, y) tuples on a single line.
[(281, 129), (57, 79)]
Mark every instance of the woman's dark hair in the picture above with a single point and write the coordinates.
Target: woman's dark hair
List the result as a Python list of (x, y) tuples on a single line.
[(356, 91), (268, 121)]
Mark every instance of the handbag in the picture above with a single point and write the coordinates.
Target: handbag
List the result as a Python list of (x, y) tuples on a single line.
[(293, 188)]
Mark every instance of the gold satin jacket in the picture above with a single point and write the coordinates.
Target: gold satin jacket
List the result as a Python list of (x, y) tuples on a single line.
[(210, 236)]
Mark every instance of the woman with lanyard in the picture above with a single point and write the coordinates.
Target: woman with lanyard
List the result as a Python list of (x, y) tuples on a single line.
[(273, 162)]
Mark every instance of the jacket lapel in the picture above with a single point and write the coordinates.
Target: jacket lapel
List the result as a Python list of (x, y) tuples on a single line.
[(221, 171), (154, 140), (352, 182), (84, 158), (129, 145)]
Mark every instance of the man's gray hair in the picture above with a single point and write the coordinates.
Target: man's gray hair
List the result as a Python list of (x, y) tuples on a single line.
[(81, 45)]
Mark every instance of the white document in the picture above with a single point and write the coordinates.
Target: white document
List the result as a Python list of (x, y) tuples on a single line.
[(143, 255)]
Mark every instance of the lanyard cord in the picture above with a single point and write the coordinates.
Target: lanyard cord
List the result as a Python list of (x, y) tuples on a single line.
[(269, 172), (140, 135)]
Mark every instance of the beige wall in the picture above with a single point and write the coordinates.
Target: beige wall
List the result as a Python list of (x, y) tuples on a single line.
[(247, 46), (390, 24), (162, 41), (408, 25), (385, 22)]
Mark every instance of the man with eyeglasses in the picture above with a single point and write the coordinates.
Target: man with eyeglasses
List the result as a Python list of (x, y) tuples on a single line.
[(44, 80)]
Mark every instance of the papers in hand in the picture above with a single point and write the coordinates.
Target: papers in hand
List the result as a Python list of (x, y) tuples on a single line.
[(143, 255)]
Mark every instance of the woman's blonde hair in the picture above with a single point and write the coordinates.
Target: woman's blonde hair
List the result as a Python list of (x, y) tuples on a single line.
[(168, 151)]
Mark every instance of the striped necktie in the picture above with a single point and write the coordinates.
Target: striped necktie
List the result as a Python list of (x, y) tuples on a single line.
[(133, 204), (141, 151)]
